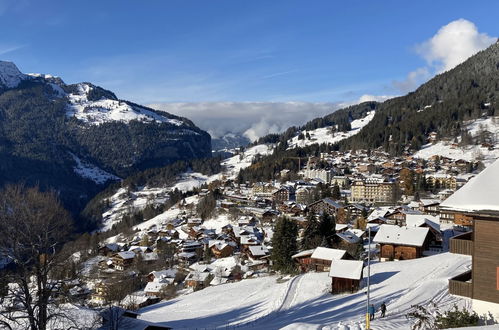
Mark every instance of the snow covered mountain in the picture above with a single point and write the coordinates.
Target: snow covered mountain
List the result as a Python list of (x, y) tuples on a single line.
[(10, 76), (75, 138)]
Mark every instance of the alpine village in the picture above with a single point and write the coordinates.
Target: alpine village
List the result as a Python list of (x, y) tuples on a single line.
[(115, 215)]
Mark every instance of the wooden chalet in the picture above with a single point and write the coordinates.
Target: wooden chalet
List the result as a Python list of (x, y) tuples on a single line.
[(401, 243), (478, 202), (346, 275), (303, 260), (123, 260), (320, 260), (329, 206), (198, 280), (221, 249)]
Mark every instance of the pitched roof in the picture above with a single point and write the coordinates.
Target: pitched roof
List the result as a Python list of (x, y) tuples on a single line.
[(306, 253), (328, 254), (258, 250), (479, 194), (390, 234), (346, 269)]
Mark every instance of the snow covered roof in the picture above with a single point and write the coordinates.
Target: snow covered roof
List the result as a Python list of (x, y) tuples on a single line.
[(351, 236), (258, 250), (328, 254), (417, 220), (479, 194), (126, 254), (197, 276), (346, 269), (340, 226), (390, 234), (155, 286), (303, 254)]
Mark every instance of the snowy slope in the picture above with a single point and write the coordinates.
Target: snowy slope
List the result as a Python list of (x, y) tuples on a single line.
[(105, 110), (324, 135), (10, 76), (304, 302), (92, 172), (234, 164), (471, 152)]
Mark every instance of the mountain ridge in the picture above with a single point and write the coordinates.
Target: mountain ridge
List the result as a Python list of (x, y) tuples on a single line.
[(53, 134)]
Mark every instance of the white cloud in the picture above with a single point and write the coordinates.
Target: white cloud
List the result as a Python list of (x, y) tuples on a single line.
[(377, 98), (253, 119), (450, 46), (413, 80), (453, 44)]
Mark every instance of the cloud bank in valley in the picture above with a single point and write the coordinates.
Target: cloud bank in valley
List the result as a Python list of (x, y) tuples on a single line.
[(255, 119), (450, 46), (251, 119)]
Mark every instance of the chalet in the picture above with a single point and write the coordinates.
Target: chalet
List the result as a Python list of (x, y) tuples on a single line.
[(401, 243), (431, 222), (123, 260), (269, 216), (399, 216), (109, 249), (351, 236), (282, 195), (329, 206), (321, 259), (429, 206), (221, 249), (303, 260), (198, 280), (478, 201), (257, 252), (187, 258), (155, 289), (158, 276), (246, 220), (346, 275), (194, 222)]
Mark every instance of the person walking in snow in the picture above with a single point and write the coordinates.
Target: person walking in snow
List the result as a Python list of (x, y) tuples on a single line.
[(371, 312), (382, 308)]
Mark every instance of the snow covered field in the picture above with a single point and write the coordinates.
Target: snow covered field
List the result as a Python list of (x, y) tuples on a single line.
[(324, 135), (304, 301)]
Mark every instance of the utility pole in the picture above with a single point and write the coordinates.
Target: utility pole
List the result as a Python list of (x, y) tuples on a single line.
[(368, 317)]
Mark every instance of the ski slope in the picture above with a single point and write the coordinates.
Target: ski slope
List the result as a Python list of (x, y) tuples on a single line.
[(305, 303)]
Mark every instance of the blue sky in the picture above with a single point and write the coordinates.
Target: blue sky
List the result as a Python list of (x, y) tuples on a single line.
[(192, 51)]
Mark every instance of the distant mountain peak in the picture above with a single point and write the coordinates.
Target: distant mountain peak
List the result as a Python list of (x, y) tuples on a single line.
[(10, 76)]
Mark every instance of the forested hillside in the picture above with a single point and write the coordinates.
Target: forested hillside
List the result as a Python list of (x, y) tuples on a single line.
[(468, 91)]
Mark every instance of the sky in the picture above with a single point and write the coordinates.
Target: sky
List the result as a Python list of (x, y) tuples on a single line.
[(194, 58)]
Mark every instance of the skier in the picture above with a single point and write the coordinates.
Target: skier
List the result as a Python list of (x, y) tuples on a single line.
[(382, 308), (371, 312)]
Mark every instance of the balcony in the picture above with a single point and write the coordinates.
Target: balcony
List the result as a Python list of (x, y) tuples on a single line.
[(462, 244), (461, 285)]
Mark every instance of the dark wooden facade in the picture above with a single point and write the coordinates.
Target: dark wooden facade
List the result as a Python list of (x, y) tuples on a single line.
[(462, 244), (400, 252), (342, 285), (485, 264), (461, 285)]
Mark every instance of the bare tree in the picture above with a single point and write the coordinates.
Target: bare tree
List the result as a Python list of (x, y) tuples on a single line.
[(33, 227)]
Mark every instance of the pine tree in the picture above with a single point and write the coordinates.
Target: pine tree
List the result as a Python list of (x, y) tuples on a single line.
[(327, 229), (284, 244), (311, 236), (336, 195)]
